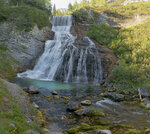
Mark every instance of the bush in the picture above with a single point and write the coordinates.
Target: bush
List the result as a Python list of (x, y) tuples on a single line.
[(11, 113), (102, 33)]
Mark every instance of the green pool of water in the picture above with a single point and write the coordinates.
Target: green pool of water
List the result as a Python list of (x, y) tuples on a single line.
[(51, 85)]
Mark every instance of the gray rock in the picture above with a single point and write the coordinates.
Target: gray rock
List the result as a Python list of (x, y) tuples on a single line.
[(12, 125), (35, 105), (44, 130), (125, 92), (103, 18), (114, 96), (33, 90), (144, 92), (103, 131), (110, 90), (89, 112), (23, 46), (86, 102), (32, 131), (54, 93), (73, 106), (5, 99), (146, 103), (81, 112)]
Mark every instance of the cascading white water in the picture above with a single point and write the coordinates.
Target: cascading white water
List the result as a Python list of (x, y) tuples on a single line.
[(63, 60)]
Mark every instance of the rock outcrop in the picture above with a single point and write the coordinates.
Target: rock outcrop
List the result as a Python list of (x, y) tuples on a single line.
[(108, 57), (23, 46)]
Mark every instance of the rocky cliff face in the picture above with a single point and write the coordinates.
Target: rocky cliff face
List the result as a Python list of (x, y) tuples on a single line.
[(107, 55), (23, 46), (26, 47)]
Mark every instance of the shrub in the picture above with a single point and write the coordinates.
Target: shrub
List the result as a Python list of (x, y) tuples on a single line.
[(102, 33)]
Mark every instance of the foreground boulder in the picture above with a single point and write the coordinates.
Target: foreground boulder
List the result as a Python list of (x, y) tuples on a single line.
[(143, 92), (32, 90), (114, 96)]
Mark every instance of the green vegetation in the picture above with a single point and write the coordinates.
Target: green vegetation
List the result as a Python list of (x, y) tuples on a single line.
[(40, 4), (127, 11), (132, 131), (7, 62), (100, 32), (10, 113), (25, 15), (83, 127), (131, 45), (24, 47)]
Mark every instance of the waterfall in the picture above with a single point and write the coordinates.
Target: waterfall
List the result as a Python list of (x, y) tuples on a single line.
[(62, 60)]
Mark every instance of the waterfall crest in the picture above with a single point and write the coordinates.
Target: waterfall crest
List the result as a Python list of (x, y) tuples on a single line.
[(62, 60)]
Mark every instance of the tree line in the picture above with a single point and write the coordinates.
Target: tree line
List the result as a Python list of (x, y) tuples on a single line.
[(76, 5), (40, 4)]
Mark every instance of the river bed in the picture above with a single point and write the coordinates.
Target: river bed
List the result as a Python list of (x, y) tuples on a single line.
[(118, 114)]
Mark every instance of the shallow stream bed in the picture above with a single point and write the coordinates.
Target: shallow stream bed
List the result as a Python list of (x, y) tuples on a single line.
[(120, 116)]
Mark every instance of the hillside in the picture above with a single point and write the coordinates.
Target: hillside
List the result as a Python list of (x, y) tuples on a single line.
[(125, 30)]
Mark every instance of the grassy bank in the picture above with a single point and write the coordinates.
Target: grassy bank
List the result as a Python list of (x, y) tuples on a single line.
[(10, 113)]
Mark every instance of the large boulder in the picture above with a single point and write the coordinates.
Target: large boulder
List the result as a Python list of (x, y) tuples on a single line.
[(144, 92), (32, 90), (114, 96)]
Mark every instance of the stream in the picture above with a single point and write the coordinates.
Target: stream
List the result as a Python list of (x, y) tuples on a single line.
[(58, 119)]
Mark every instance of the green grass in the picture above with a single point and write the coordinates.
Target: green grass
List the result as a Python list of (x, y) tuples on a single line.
[(131, 46), (10, 112)]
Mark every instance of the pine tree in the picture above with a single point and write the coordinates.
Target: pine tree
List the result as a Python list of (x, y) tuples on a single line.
[(70, 7), (54, 8)]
